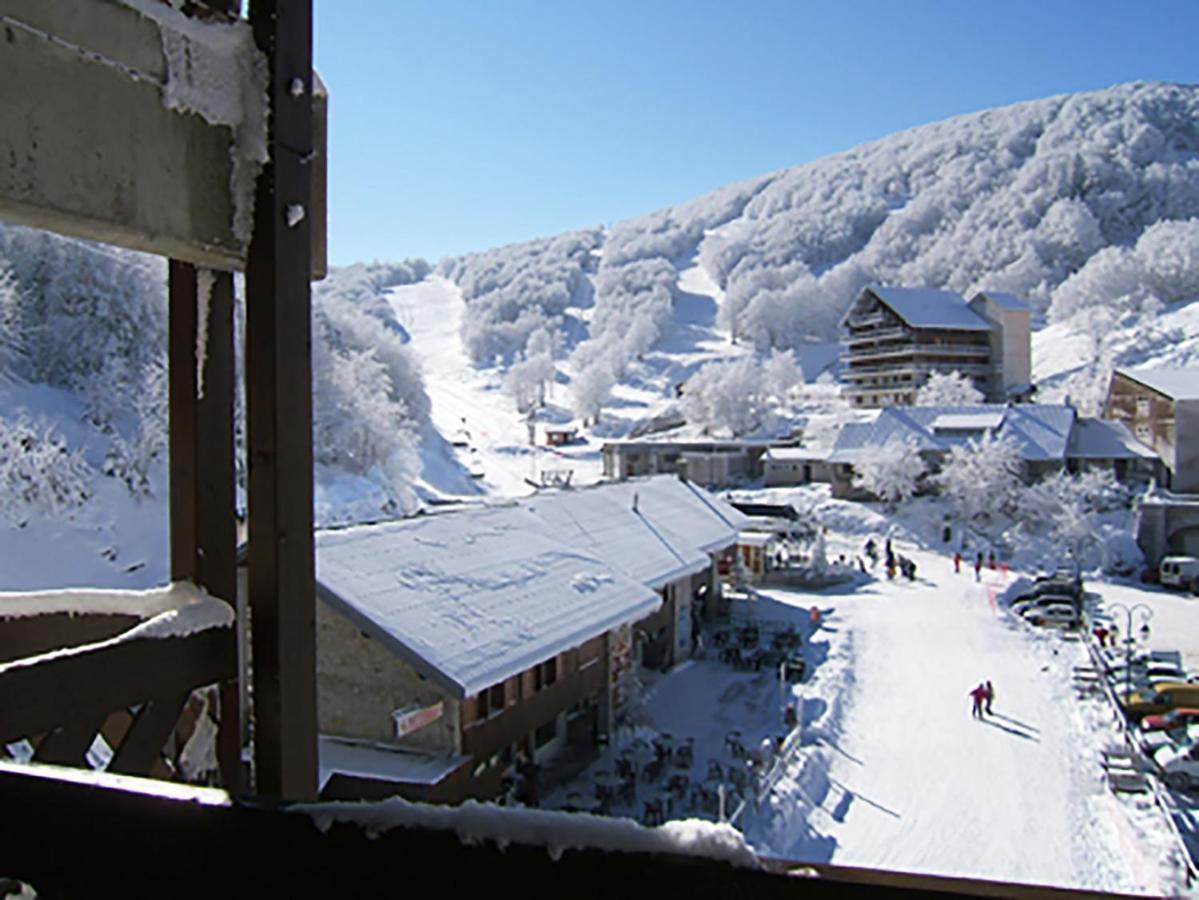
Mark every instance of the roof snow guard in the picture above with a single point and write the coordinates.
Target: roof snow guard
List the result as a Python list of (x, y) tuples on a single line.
[(470, 599)]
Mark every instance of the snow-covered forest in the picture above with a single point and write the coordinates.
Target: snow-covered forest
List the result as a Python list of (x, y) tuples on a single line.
[(1087, 205)]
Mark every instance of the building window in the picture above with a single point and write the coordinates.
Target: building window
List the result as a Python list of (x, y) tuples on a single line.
[(1142, 406), (1143, 432), (496, 698), (545, 733)]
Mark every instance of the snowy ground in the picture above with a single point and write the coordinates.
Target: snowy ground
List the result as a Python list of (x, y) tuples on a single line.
[(891, 770)]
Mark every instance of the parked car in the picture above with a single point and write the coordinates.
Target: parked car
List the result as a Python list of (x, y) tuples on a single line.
[(1148, 673), (1052, 614), (1152, 741), (1179, 766), (1175, 718), (1164, 698), (1063, 588), (1178, 571), (1020, 607)]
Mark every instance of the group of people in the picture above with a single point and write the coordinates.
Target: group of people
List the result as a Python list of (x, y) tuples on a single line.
[(893, 562), (983, 696), (978, 563)]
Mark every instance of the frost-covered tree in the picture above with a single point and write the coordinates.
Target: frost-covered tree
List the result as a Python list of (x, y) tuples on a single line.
[(982, 476), (11, 341), (727, 395), (527, 380), (590, 390), (891, 472), (1068, 506), (948, 389), (782, 376)]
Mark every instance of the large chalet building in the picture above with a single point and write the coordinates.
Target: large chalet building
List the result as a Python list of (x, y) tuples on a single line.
[(1161, 407), (894, 338)]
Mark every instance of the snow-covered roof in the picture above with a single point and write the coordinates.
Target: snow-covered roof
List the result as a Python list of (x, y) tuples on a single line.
[(928, 308), (1004, 299), (1041, 431), (676, 507), (794, 454), (1175, 382), (602, 521), (967, 421), (469, 599), (361, 759), (1105, 439)]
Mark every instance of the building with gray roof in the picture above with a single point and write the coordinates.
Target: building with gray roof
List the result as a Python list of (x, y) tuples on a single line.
[(894, 338)]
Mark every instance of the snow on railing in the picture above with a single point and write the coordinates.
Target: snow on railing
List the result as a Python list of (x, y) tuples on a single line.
[(477, 823)]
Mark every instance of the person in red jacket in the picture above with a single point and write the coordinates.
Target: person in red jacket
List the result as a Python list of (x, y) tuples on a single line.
[(979, 696), (957, 563)]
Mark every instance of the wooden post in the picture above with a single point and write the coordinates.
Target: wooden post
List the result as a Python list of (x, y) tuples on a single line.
[(279, 414), (203, 527)]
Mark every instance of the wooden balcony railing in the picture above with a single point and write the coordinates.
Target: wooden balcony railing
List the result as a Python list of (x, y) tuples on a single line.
[(130, 688)]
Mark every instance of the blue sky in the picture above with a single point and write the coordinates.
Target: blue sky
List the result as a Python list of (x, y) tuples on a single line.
[(459, 126)]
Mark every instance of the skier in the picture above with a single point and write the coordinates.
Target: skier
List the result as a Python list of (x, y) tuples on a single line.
[(990, 698), (991, 560), (1101, 635), (978, 695), (957, 563), (978, 566), (790, 718)]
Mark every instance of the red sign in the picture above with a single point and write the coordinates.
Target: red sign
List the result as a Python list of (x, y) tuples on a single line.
[(413, 719)]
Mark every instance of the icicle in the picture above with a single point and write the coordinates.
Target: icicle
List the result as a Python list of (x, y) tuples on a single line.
[(205, 281)]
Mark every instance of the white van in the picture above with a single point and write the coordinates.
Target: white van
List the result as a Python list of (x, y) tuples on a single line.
[(1179, 571)]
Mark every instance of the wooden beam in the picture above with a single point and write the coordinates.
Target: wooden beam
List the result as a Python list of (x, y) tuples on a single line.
[(143, 742), (40, 696), (203, 525), (279, 413)]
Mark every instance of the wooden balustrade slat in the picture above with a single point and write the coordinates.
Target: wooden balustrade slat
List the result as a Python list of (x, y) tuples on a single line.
[(41, 696), (68, 744), (143, 743)]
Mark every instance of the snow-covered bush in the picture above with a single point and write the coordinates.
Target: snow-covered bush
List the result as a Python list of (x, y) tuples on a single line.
[(39, 473), (891, 472), (948, 389), (982, 476)]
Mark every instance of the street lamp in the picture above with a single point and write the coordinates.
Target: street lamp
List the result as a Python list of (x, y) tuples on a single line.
[(1145, 614)]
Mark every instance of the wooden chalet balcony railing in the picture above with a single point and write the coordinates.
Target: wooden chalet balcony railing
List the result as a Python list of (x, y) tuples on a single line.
[(878, 334), (918, 368), (132, 689), (977, 350)]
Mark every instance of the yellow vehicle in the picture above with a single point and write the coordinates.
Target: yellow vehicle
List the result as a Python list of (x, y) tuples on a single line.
[(1162, 698)]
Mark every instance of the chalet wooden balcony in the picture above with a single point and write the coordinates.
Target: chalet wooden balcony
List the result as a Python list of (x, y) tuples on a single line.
[(916, 368), (909, 349), (485, 736), (878, 334)]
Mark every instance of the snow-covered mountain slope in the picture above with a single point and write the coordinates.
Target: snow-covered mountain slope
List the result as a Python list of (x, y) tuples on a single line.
[(1084, 204)]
